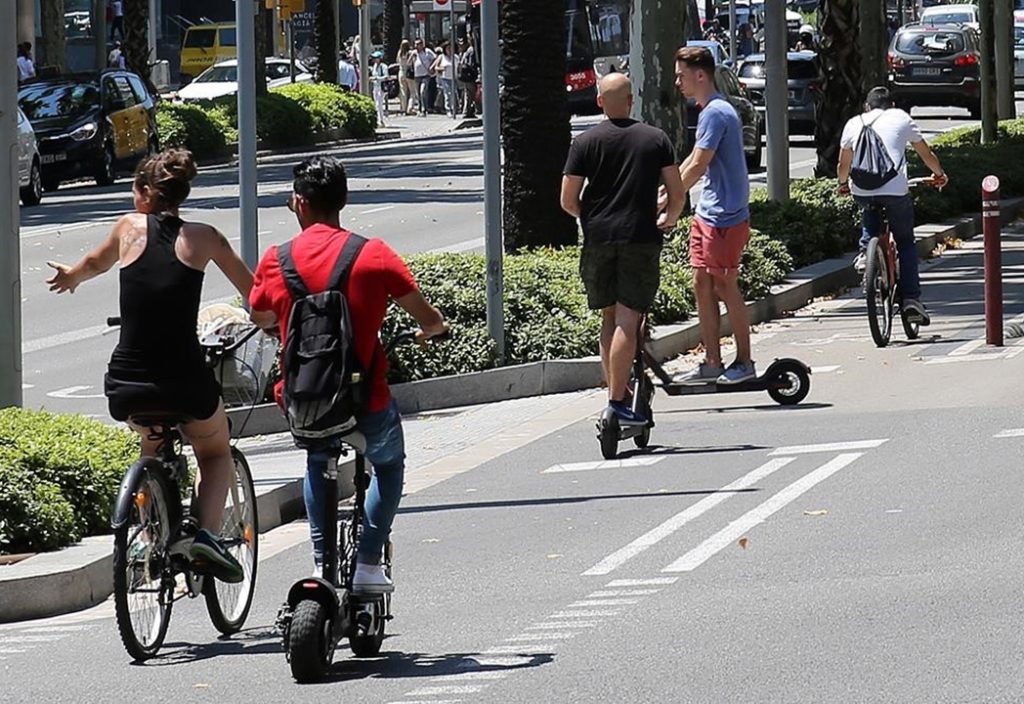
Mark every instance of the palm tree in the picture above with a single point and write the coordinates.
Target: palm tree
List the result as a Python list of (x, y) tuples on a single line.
[(263, 19), (841, 89), (324, 40), (136, 40), (656, 29), (394, 26), (535, 124), (51, 24)]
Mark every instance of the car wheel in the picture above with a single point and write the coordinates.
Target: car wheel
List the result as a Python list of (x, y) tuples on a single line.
[(33, 192), (107, 172), (50, 183), (754, 158)]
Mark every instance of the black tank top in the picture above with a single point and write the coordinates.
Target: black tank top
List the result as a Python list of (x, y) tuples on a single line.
[(159, 307)]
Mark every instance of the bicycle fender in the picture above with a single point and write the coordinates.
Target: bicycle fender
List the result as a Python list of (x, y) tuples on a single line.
[(316, 589), (125, 497)]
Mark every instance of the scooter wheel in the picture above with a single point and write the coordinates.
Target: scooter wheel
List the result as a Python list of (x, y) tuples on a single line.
[(368, 646), (643, 439), (310, 642), (789, 383), (609, 438)]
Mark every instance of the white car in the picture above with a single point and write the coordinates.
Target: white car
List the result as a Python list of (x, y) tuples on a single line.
[(29, 178), (937, 15), (222, 79), (1018, 55)]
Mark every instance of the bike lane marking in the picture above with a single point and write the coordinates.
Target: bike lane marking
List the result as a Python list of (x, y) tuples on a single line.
[(643, 461)]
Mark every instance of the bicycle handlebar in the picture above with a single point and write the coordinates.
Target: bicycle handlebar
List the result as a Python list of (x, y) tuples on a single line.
[(406, 336)]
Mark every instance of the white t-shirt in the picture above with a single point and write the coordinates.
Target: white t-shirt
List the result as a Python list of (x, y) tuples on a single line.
[(897, 130), (26, 69), (423, 61), (446, 66), (117, 9)]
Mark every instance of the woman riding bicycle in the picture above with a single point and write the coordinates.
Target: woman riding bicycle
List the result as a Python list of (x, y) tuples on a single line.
[(158, 367)]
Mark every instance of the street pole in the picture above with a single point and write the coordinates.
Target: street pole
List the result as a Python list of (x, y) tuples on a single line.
[(776, 99), (989, 115), (100, 33), (990, 221), (151, 31), (1003, 21), (732, 29), (245, 21), (493, 246), (455, 74), (290, 41), (10, 239), (365, 47), (337, 33)]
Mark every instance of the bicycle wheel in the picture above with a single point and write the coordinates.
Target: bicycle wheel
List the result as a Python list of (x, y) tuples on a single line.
[(228, 604), (878, 295), (911, 329), (143, 584)]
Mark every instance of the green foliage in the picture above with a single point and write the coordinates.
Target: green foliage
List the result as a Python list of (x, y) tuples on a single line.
[(192, 128), (332, 108), (70, 464)]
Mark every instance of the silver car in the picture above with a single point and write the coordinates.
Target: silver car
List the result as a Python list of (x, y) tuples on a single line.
[(29, 181), (803, 82), (1018, 56)]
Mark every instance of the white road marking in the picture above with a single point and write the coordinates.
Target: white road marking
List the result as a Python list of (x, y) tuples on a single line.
[(826, 370), (1011, 433), (63, 338), (735, 530), (464, 246), (656, 535), (642, 582), (604, 594), (442, 689), (11, 651), (482, 660), (519, 649), (561, 625), (25, 387), (426, 701), (829, 447), (5, 640), (530, 637), (967, 348), (979, 357), (73, 392), (381, 209), (484, 675), (644, 461), (586, 603), (591, 613)]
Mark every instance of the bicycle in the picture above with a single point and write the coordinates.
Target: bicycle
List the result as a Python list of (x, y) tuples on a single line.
[(154, 529), (319, 612), (881, 282)]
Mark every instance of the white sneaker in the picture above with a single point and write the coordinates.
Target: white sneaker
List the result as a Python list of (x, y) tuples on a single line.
[(860, 263), (370, 579)]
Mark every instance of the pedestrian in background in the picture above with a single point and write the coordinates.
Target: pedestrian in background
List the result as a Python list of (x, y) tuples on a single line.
[(469, 72), (348, 77), (116, 15), (26, 67), (116, 57), (422, 62), (378, 73), (444, 69), (406, 77)]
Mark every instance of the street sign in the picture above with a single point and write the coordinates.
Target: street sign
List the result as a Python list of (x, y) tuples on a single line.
[(442, 4)]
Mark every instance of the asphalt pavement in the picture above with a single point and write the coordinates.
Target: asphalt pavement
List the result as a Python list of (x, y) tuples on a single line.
[(862, 546)]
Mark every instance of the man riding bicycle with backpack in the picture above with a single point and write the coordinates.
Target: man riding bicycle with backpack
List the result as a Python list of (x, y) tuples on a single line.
[(328, 290), (873, 167)]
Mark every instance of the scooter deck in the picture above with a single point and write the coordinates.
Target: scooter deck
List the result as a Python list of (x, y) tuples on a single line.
[(761, 383)]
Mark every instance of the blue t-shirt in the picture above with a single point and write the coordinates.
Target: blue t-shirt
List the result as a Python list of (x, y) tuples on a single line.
[(726, 196)]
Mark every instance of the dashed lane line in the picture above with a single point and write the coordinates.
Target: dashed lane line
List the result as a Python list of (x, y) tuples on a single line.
[(828, 447)]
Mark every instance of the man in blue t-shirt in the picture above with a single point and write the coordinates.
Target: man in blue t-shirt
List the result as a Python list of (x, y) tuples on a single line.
[(721, 224)]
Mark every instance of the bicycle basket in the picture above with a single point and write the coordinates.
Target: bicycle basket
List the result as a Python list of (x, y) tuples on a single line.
[(244, 372)]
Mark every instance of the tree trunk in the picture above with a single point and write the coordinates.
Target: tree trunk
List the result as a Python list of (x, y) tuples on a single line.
[(324, 41), (51, 23), (874, 43), (263, 18), (535, 124), (394, 26), (136, 40), (654, 38), (841, 96)]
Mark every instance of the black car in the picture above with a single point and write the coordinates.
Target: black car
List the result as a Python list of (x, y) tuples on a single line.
[(729, 86), (90, 126), (935, 66)]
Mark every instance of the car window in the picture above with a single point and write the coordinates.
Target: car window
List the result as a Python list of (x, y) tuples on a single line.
[(218, 74), (200, 38), (42, 101), (141, 94), (752, 69), (802, 70), (948, 17), (124, 90), (922, 43), (275, 71), (227, 36), (1018, 35)]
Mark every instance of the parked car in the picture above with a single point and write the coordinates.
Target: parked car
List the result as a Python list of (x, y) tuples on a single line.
[(203, 46), (90, 126), (935, 66), (958, 15), (1018, 56), (729, 86), (222, 79), (29, 166), (802, 82), (718, 52)]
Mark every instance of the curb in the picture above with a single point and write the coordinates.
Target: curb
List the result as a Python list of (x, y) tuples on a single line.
[(81, 576)]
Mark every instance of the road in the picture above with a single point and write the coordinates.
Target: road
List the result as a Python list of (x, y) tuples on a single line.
[(863, 546), (419, 195)]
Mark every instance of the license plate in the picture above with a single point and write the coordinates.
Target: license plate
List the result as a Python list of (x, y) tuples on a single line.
[(51, 158), (928, 71)]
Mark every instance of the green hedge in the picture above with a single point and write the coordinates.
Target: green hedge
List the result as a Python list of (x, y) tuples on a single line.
[(192, 128), (59, 476), (331, 107)]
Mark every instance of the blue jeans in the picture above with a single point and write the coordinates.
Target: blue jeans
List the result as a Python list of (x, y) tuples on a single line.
[(899, 211), (385, 450)]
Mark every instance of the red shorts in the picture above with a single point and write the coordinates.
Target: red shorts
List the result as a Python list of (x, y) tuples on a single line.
[(718, 250)]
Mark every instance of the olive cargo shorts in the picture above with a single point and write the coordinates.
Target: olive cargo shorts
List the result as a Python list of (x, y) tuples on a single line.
[(628, 274)]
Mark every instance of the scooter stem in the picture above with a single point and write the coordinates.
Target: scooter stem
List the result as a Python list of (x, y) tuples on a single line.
[(330, 526)]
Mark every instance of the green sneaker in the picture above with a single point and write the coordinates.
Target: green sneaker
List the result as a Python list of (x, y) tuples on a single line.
[(209, 556)]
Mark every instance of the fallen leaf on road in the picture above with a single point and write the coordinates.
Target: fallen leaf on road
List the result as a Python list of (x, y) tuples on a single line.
[(743, 543), (817, 512)]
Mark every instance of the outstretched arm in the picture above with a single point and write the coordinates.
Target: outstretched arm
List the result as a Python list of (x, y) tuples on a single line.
[(98, 261)]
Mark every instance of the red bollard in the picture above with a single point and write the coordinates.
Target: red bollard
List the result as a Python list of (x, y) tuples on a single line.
[(993, 261)]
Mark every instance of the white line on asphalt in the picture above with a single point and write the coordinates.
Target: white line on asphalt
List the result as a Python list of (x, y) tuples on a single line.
[(980, 357), (967, 348), (1011, 433), (26, 387), (825, 370), (586, 603), (381, 209), (481, 660), (642, 582), (644, 461), (590, 613), (562, 625), (485, 675), (735, 530), (606, 593), (519, 649), (4, 640), (829, 447), (10, 651), (73, 392), (442, 689), (529, 637), (425, 701), (62, 338), (52, 629), (688, 514), (464, 246)]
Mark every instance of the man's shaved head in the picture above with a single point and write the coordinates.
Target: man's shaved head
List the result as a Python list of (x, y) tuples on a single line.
[(616, 96)]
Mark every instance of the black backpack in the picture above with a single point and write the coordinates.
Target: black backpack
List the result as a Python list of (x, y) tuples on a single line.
[(872, 166), (325, 386)]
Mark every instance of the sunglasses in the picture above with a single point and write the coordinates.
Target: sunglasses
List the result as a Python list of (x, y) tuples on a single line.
[(291, 201)]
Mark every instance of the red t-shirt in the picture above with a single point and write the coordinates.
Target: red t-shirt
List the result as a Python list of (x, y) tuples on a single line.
[(378, 275)]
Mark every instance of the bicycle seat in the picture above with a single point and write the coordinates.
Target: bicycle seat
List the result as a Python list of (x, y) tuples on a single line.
[(166, 421)]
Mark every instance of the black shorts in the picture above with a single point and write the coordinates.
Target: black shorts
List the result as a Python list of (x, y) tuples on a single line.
[(628, 274), (194, 395)]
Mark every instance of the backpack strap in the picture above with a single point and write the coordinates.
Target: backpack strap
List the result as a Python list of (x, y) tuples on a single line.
[(343, 267), (296, 286)]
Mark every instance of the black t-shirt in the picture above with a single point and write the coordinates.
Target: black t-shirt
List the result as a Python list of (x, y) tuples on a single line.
[(622, 161)]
